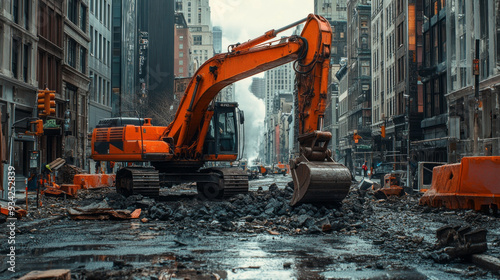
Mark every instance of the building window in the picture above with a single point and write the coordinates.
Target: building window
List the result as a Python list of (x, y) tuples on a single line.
[(181, 62), (181, 37), (197, 40), (95, 43), (15, 57), (181, 54), (91, 6), (100, 47), (72, 11), (109, 50), (83, 18), (181, 46), (15, 10), (435, 45), (83, 59), (100, 10), (442, 35), (437, 98), (27, 14), (91, 40), (26, 56), (181, 69), (427, 48), (72, 52)]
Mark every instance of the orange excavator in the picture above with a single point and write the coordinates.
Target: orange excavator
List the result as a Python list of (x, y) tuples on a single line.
[(204, 130)]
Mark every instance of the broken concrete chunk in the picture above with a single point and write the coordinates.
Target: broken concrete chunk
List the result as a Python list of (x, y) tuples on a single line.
[(55, 274)]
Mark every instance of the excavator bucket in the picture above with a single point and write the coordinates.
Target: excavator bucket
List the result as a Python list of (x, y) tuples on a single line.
[(471, 184), (320, 182)]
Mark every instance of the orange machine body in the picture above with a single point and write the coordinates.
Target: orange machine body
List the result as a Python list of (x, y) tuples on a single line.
[(184, 138)]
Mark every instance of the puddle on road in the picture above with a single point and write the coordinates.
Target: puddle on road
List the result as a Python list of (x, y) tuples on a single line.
[(40, 251), (90, 257)]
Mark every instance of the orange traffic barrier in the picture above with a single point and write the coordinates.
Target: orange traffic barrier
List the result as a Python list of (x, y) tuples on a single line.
[(94, 180), (471, 184)]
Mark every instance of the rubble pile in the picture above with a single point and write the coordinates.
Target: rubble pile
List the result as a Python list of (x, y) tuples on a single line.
[(254, 212), (67, 172)]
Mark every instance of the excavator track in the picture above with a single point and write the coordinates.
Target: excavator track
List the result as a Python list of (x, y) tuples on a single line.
[(138, 180), (235, 181), (232, 181)]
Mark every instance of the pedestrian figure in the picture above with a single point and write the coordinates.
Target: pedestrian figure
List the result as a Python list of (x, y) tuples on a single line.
[(365, 169)]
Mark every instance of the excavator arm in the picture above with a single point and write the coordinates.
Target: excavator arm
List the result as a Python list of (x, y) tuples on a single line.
[(178, 150), (316, 176)]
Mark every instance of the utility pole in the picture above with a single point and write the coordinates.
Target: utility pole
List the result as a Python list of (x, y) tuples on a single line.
[(475, 70)]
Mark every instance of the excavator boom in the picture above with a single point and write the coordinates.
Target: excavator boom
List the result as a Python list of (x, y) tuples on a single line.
[(183, 142)]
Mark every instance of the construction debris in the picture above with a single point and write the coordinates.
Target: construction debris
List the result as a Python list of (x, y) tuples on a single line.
[(459, 242), (101, 211), (67, 172)]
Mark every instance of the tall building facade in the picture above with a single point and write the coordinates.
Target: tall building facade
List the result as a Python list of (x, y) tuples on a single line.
[(258, 87), (99, 61), (337, 59), (124, 58), (383, 77), (76, 81), (18, 84), (358, 119), (434, 79), (49, 69), (332, 10), (158, 20), (279, 81), (197, 14), (217, 35), (471, 30), (182, 57)]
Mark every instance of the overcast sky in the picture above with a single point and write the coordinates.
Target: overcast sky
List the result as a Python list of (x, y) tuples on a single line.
[(242, 20)]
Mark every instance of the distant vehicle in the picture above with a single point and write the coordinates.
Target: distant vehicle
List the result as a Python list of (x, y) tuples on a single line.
[(382, 169), (253, 172)]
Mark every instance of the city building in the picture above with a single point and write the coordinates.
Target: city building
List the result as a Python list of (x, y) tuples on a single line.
[(99, 61), (217, 35), (279, 81), (197, 14), (49, 75), (227, 94), (337, 58), (258, 87), (76, 81), (466, 30), (157, 18), (18, 85), (124, 59), (332, 10), (358, 118), (183, 66)]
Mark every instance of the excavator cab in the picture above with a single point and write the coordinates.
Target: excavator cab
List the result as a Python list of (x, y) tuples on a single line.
[(225, 130)]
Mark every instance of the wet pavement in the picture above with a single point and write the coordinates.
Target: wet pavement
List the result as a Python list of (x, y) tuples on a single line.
[(376, 239)]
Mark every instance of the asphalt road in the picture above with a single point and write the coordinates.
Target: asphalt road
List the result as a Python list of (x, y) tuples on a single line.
[(123, 249)]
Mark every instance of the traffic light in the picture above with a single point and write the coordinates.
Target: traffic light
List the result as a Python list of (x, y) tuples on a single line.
[(46, 102), (382, 131), (38, 128), (475, 67), (356, 138)]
